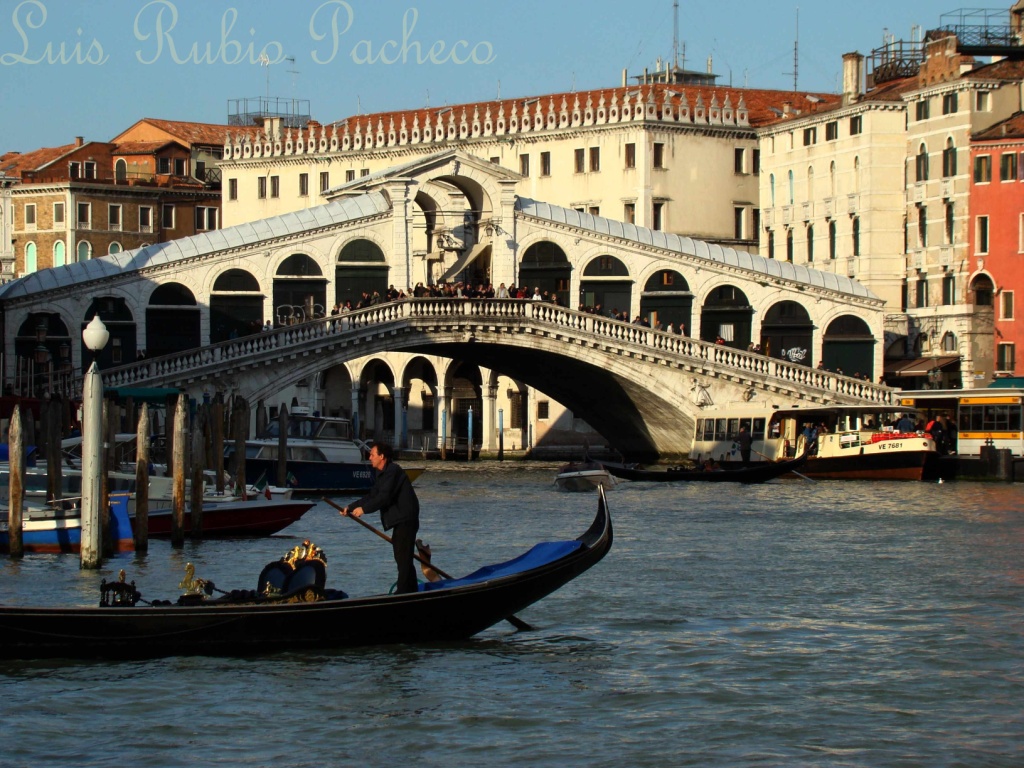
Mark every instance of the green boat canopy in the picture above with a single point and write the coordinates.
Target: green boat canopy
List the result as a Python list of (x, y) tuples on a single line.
[(151, 395)]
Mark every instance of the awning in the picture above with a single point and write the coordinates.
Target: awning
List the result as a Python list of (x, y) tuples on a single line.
[(922, 366), (467, 258)]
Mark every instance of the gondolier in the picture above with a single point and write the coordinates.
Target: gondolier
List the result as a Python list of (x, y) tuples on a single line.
[(392, 494)]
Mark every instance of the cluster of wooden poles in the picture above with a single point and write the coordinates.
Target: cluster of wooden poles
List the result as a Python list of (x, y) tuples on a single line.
[(188, 458)]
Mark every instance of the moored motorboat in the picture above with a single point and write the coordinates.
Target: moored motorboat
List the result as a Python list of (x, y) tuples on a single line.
[(322, 456), (227, 519), (54, 530), (291, 609), (754, 473)]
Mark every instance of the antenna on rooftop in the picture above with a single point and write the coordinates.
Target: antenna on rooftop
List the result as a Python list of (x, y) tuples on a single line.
[(264, 61), (675, 34)]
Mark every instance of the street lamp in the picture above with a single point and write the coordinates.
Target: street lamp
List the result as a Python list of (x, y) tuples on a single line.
[(95, 337)]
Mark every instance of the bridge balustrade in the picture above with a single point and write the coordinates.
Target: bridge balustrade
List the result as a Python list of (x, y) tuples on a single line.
[(352, 324)]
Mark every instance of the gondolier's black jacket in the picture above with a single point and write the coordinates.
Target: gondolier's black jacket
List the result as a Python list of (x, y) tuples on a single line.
[(393, 495)]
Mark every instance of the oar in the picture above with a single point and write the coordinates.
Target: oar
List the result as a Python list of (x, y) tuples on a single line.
[(513, 620), (768, 458)]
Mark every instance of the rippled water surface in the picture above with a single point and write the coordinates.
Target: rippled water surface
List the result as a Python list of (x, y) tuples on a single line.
[(794, 623)]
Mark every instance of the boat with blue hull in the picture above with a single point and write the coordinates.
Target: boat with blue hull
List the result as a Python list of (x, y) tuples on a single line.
[(55, 530), (322, 456)]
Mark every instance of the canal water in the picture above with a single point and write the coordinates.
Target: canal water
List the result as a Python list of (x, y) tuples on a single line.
[(788, 624)]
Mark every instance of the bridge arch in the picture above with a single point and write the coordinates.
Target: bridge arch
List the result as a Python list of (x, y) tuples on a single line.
[(606, 283), (787, 332), (300, 288), (464, 384), (42, 347), (361, 267), (236, 304), (848, 345), (727, 312), (419, 379), (375, 413), (545, 265), (118, 314), (172, 320), (667, 299)]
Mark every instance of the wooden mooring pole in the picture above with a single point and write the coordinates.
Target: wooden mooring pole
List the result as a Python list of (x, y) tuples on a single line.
[(141, 529), (16, 460), (178, 472)]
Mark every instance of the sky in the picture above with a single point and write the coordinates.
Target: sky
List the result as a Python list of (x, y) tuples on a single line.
[(93, 68)]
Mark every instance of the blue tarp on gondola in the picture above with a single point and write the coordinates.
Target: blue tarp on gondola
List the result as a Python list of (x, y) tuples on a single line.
[(540, 555)]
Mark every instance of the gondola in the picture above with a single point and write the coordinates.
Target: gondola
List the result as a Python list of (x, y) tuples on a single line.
[(755, 473), (291, 609)]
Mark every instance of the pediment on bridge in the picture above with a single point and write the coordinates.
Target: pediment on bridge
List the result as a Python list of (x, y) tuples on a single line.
[(450, 162)]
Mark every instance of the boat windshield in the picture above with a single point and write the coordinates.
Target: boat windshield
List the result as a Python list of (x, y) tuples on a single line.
[(313, 427)]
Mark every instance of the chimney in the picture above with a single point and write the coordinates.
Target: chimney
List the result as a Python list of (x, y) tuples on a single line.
[(79, 141), (709, 66), (625, 77), (787, 107), (853, 77)]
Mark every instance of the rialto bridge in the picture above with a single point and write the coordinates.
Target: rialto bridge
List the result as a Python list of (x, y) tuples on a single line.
[(198, 306)]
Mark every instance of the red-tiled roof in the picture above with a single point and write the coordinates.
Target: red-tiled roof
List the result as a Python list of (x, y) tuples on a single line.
[(191, 134), (1011, 128), (140, 147), (16, 163), (757, 102), (1005, 69)]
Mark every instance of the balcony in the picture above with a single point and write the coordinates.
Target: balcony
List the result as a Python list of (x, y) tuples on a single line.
[(787, 215), (807, 211), (945, 255), (851, 204), (768, 217), (946, 189), (829, 205), (917, 194)]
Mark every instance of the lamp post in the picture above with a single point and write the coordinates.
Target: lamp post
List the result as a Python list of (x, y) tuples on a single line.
[(95, 337)]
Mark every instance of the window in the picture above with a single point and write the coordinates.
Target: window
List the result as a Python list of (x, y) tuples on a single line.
[(921, 292), (656, 218), (949, 104), (180, 167), (31, 264), (981, 232), (1020, 234), (74, 170), (84, 216), (163, 165), (755, 162), (738, 218), (303, 185), (275, 186), (982, 169), (30, 215), (856, 235), (1006, 305), (982, 101), (1008, 166), (261, 187), (629, 213), (659, 154), (59, 251), (116, 350), (145, 218), (350, 176), (810, 136), (58, 214), (755, 215), (922, 110), (543, 409), (545, 163), (832, 240), (496, 160), (325, 181), (921, 163), (771, 244), (580, 158), (364, 172), (810, 244), (167, 216), (84, 250), (631, 155), (789, 245), (114, 217), (831, 131), (594, 210), (949, 223), (738, 158), (1006, 358), (856, 125), (89, 168), (922, 226), (232, 189), (524, 165), (595, 159), (948, 290), (949, 160), (206, 218)]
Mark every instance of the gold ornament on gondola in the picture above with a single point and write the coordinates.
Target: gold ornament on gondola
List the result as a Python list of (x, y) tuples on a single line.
[(192, 585), (305, 552)]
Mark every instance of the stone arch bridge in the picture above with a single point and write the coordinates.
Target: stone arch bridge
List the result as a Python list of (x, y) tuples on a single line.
[(641, 388)]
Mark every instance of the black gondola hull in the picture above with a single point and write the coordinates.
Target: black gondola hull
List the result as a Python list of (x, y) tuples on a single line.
[(237, 629), (755, 473)]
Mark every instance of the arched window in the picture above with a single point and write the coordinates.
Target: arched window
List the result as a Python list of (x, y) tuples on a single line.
[(922, 163), (810, 183), (84, 251), (115, 247), (771, 185), (59, 252), (832, 239), (856, 175), (792, 191), (856, 235), (31, 264), (120, 169), (789, 245), (810, 243), (949, 159), (832, 179)]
